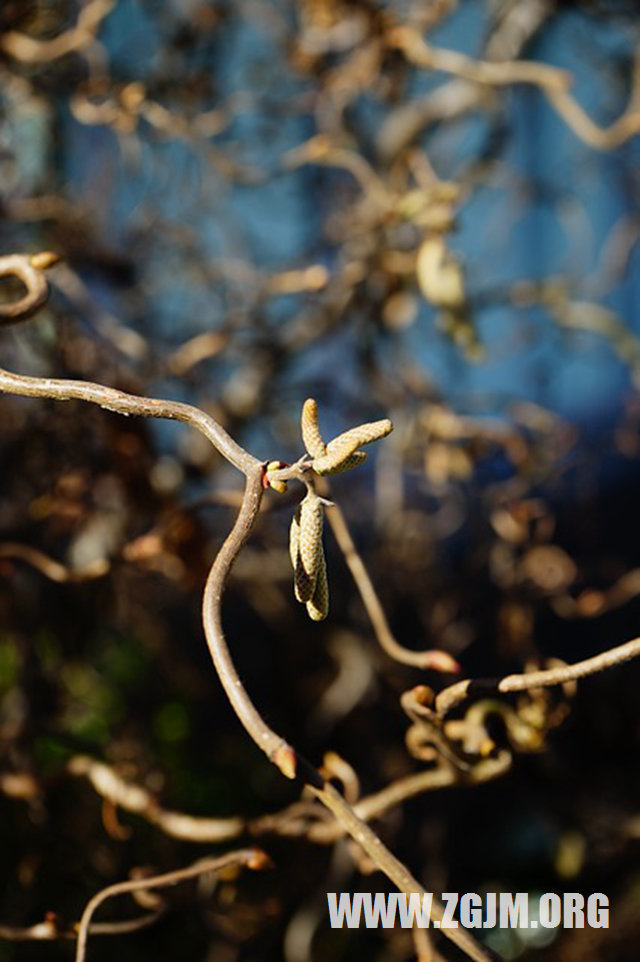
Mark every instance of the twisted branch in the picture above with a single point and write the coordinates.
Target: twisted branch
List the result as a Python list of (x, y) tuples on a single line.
[(33, 50), (275, 747), (553, 82)]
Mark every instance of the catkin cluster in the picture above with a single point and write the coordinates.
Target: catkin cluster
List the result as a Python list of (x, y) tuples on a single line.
[(305, 536), (307, 557), (342, 453)]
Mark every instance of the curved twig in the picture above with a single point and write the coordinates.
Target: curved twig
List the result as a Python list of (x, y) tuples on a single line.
[(51, 568), (434, 659), (50, 930), (455, 694), (113, 400), (552, 81), (136, 799), (32, 50), (252, 858), (37, 294), (276, 748)]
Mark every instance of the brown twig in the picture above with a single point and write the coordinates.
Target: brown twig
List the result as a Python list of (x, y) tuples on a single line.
[(276, 748), (79, 38), (452, 696), (391, 866), (433, 659), (252, 858), (554, 83), (302, 818), (20, 266), (137, 800), (51, 568), (442, 776), (50, 928)]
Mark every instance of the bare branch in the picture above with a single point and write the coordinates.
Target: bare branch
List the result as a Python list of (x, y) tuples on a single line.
[(432, 659), (22, 267), (554, 83), (276, 748), (455, 694), (137, 800), (79, 38), (51, 568), (252, 858)]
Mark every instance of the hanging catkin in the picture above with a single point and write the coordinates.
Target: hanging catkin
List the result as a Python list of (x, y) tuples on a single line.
[(318, 606), (310, 551), (303, 586), (305, 535), (305, 547)]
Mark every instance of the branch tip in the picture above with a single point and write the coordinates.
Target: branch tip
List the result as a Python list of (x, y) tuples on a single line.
[(285, 759), (259, 860)]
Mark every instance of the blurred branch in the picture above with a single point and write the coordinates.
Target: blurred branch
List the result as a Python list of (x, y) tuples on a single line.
[(592, 602), (28, 270), (51, 568), (251, 858), (137, 800), (300, 819), (77, 39), (51, 928), (553, 82)]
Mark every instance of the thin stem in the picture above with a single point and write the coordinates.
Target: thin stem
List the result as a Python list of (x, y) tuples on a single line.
[(37, 294), (130, 404), (452, 696), (429, 780), (275, 747), (392, 867), (253, 858), (435, 659)]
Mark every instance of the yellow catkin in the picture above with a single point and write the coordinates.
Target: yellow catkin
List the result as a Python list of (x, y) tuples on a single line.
[(303, 586), (318, 606), (310, 431), (311, 534), (332, 462), (342, 449), (294, 540), (358, 457), (362, 434)]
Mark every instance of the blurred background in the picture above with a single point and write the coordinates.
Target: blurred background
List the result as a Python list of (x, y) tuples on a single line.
[(373, 204)]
